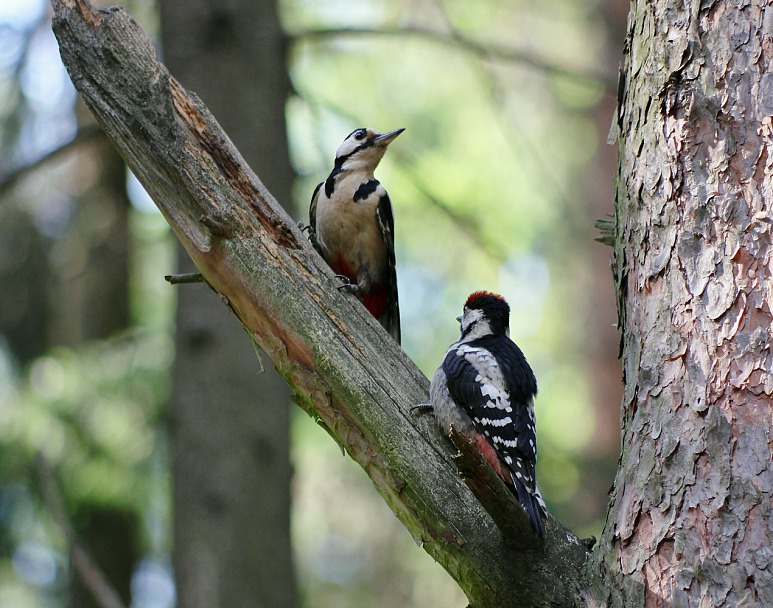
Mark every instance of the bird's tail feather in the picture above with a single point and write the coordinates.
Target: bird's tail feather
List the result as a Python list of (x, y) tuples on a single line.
[(532, 505)]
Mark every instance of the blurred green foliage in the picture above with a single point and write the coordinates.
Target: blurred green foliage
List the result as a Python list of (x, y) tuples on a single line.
[(94, 415), (483, 185)]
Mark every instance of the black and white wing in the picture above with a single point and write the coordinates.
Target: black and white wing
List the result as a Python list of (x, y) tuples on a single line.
[(479, 382)]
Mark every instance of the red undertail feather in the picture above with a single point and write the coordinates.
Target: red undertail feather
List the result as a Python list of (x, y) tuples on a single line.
[(340, 266), (489, 453), (376, 301)]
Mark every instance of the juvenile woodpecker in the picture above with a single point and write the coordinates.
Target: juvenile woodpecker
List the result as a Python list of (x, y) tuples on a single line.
[(485, 387), (352, 226)]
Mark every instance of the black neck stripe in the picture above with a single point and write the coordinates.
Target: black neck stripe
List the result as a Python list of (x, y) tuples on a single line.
[(365, 190)]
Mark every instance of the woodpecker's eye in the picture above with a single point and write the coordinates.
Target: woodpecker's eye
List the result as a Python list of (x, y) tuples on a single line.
[(358, 135)]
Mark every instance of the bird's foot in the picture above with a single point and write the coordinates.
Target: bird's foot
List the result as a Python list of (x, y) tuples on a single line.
[(347, 284), (312, 235), (422, 408)]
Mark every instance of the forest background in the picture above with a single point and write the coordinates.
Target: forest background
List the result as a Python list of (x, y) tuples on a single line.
[(496, 184)]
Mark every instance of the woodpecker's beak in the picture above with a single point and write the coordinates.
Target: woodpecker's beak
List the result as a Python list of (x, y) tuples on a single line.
[(386, 138), (459, 318)]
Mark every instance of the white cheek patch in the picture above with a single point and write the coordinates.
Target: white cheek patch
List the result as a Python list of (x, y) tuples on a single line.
[(470, 316)]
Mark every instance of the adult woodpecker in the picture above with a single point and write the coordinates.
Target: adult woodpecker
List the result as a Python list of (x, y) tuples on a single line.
[(485, 387), (352, 226)]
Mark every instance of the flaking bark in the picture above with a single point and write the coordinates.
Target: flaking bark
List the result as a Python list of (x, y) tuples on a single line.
[(345, 370), (690, 522)]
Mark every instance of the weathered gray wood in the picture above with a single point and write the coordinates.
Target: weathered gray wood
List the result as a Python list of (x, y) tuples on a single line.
[(344, 369), (690, 519)]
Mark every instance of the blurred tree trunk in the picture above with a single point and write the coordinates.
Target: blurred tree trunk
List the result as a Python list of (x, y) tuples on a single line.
[(70, 269), (112, 538), (25, 313), (89, 300), (690, 517), (230, 421), (70, 276), (601, 340), (90, 297)]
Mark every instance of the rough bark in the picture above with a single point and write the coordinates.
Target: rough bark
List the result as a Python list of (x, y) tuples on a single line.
[(343, 367), (690, 522), (232, 506)]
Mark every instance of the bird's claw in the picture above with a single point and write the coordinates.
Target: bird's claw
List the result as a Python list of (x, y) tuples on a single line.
[(347, 285), (312, 235), (422, 408)]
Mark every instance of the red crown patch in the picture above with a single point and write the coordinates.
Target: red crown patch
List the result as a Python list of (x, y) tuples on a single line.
[(479, 294)]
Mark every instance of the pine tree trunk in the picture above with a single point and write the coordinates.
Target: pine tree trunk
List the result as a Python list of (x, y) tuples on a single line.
[(690, 518), (230, 421)]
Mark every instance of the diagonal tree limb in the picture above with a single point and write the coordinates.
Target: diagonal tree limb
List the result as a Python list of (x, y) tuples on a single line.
[(345, 370)]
